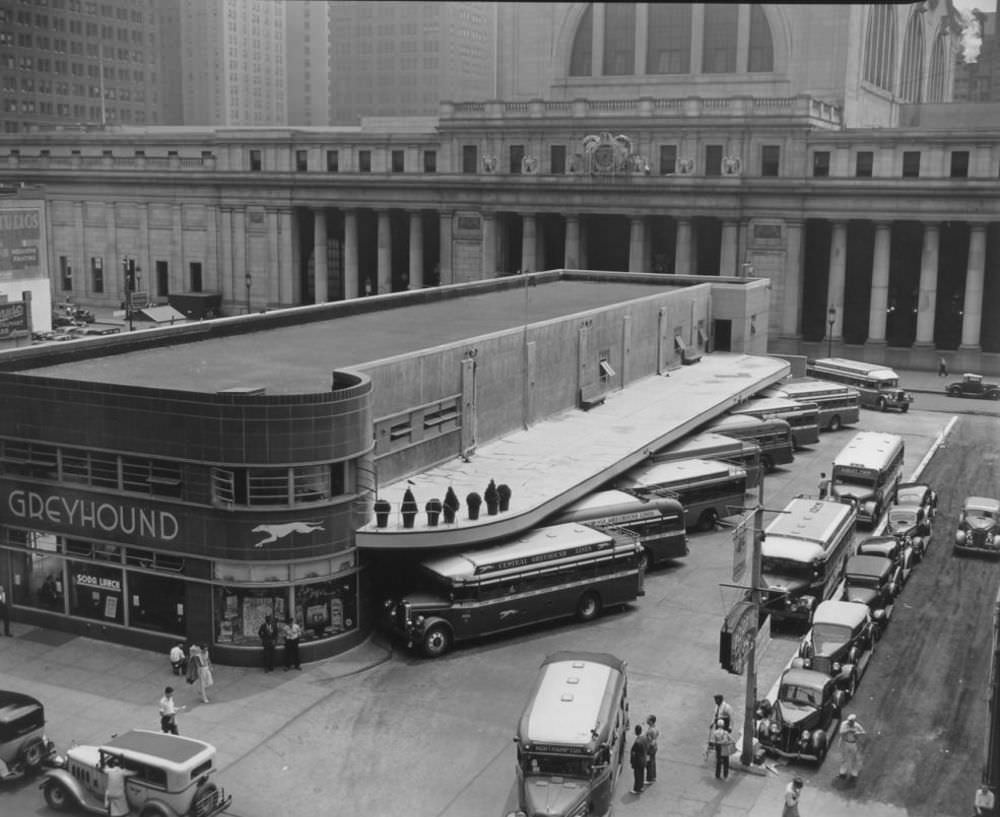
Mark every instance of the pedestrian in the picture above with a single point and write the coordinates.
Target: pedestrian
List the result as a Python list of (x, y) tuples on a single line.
[(792, 792), (178, 660), (293, 633), (200, 670), (268, 633), (115, 800), (724, 746), (850, 748), (638, 760), (652, 740), (168, 712), (4, 610), (724, 712), (824, 485), (942, 367), (984, 802)]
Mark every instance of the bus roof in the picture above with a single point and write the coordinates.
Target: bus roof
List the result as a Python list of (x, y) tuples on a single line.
[(807, 387), (745, 422), (778, 404), (869, 449), (608, 503), (808, 520), (571, 704), (876, 371), (535, 547), (707, 444), (675, 472)]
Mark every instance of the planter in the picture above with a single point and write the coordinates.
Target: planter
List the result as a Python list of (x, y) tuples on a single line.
[(408, 518), (433, 508), (503, 494), (473, 501), (382, 511)]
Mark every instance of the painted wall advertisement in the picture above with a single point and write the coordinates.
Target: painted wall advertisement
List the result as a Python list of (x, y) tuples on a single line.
[(20, 242), (13, 318)]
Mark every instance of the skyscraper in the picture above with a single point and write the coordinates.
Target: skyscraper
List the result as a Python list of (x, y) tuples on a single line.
[(308, 47)]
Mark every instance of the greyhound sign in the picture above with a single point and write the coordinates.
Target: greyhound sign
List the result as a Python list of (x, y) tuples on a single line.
[(277, 531)]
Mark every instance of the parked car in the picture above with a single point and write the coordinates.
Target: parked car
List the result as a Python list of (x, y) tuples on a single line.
[(979, 527), (24, 748), (899, 551), (170, 776), (839, 643), (894, 400), (972, 385), (917, 493), (911, 523), (805, 717), (873, 581)]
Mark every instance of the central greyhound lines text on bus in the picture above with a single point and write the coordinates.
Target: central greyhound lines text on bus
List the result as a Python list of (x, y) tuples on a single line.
[(87, 513)]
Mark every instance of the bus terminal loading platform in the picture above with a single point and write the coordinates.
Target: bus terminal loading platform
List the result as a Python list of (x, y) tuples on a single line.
[(553, 463)]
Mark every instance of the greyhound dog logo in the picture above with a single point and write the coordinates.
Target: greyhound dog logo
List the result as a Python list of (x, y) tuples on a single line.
[(276, 532)]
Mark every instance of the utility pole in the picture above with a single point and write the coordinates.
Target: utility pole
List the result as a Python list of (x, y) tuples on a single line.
[(750, 703)]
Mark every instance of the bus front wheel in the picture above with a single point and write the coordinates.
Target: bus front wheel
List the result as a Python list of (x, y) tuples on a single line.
[(588, 607), (835, 423), (437, 641), (767, 463), (707, 520)]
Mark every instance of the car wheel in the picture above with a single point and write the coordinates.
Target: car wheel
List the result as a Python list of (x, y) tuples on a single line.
[(205, 799), (995, 395), (821, 747), (437, 641), (156, 810), (904, 408), (57, 796), (852, 685), (588, 607), (707, 520), (32, 753), (835, 423)]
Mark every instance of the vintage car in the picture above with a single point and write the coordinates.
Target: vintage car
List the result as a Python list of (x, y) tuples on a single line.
[(972, 385), (168, 776), (839, 643), (873, 581), (24, 748), (896, 549), (917, 493), (979, 527), (801, 723), (912, 524), (894, 399)]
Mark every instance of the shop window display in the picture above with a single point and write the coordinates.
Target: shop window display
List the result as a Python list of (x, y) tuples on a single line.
[(96, 592), (38, 579), (239, 613), (327, 608), (156, 603)]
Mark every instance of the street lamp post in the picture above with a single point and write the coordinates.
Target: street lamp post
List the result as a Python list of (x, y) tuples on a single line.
[(129, 289), (249, 283), (832, 313)]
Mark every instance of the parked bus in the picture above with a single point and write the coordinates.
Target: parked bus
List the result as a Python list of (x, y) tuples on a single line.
[(878, 385), (801, 417), (803, 556), (549, 573), (774, 436), (711, 446), (867, 471), (838, 405), (658, 521), (572, 736), (706, 488)]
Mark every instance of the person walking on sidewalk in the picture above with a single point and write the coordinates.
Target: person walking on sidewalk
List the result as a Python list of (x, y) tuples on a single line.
[(792, 792), (652, 737), (942, 367), (638, 759), (168, 712), (724, 745), (293, 633), (850, 748), (200, 670), (724, 712), (268, 634), (4, 611)]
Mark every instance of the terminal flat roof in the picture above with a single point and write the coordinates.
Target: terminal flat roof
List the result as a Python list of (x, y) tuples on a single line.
[(299, 359)]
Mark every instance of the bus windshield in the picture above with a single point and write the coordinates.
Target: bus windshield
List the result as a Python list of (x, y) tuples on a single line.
[(556, 765), (791, 568), (855, 476)]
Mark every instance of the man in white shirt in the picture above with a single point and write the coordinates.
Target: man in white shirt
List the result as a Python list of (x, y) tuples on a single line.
[(168, 712), (723, 712), (293, 632), (850, 748)]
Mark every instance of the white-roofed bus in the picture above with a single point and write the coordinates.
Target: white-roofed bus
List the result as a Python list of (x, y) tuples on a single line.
[(773, 435), (877, 384), (709, 445), (867, 471), (838, 404), (802, 417), (571, 737), (553, 572)]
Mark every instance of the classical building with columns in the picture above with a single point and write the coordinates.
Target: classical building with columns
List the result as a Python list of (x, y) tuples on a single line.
[(815, 146)]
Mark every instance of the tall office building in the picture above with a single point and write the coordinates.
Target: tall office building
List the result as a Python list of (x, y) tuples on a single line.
[(307, 28), (234, 62), (979, 81), (402, 59), (84, 62)]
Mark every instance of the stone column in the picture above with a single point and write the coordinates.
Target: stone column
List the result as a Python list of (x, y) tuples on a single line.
[(416, 272), (177, 276), (972, 316), (446, 275), (384, 253), (112, 257), (528, 242), (791, 294), (641, 37), (272, 286), (78, 259), (597, 41), (489, 244), (837, 279), (228, 256), (319, 256), (729, 253), (927, 293), (571, 255), (351, 269), (682, 250), (880, 282), (637, 239), (142, 255), (212, 262), (240, 265), (286, 267)]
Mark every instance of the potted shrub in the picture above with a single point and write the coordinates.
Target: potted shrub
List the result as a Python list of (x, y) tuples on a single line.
[(474, 501), (409, 509), (433, 508), (503, 494), (382, 510), (451, 505), (491, 497)]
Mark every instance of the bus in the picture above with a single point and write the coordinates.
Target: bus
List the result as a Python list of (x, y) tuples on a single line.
[(774, 436), (803, 556), (658, 521), (801, 417), (711, 446), (572, 736), (548, 573), (877, 385), (838, 405), (706, 488), (867, 471)]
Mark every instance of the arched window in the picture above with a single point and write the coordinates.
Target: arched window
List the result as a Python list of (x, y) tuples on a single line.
[(719, 42), (619, 39), (911, 80), (880, 49), (581, 62), (939, 68), (668, 41), (760, 54)]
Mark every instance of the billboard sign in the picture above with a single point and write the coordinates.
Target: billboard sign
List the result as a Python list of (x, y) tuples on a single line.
[(13, 319), (20, 242)]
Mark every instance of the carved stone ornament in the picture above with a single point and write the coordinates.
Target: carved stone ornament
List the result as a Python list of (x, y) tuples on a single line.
[(489, 163), (685, 167), (731, 165), (529, 165)]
